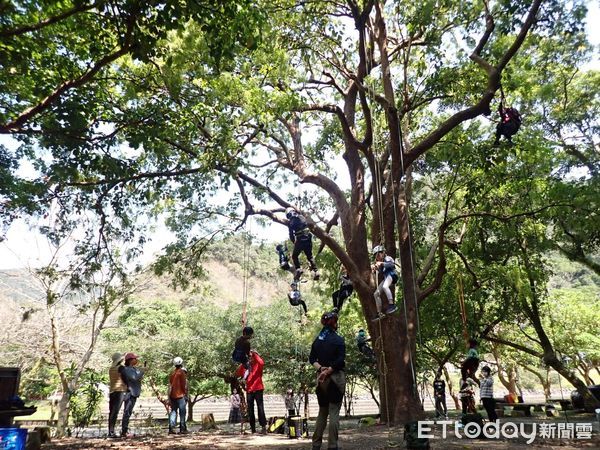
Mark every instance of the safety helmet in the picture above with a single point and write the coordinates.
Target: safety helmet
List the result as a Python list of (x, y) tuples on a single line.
[(378, 249), (329, 319), (361, 332), (177, 361), (289, 212), (294, 285)]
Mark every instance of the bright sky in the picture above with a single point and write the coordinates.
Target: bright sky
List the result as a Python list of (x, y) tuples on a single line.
[(23, 248)]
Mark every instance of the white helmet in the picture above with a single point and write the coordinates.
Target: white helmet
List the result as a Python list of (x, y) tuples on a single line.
[(289, 212), (378, 249), (177, 361)]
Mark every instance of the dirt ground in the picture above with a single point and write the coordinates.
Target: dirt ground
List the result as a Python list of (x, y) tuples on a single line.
[(351, 438)]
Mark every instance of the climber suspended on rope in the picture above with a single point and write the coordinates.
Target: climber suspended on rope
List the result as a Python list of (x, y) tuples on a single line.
[(471, 363), (301, 236), (510, 122), (384, 269), (284, 259), (241, 352), (295, 297), (346, 289), (363, 347)]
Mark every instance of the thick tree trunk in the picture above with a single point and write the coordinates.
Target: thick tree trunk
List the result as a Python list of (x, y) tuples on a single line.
[(62, 423)]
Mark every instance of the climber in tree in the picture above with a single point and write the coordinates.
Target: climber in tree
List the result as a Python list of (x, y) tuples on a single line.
[(346, 289), (284, 259), (471, 363), (384, 268), (295, 297), (301, 236), (241, 351), (510, 122), (363, 347)]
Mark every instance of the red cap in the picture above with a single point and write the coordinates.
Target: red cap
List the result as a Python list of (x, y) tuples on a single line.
[(130, 355)]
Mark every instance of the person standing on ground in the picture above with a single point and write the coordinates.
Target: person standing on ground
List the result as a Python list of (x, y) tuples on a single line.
[(117, 390), (132, 376), (255, 389), (486, 393), (235, 402), (439, 392), (327, 355), (178, 392)]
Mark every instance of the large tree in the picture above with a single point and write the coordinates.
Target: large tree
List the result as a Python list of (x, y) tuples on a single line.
[(348, 98)]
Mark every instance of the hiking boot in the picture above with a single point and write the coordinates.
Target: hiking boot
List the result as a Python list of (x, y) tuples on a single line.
[(263, 430), (379, 316), (184, 431), (112, 435), (391, 309), (171, 431)]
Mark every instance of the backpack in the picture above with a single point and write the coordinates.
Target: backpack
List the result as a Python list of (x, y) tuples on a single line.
[(411, 436)]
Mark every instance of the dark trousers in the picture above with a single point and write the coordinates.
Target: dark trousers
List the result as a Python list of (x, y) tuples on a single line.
[(303, 244), (506, 129), (262, 420), (468, 405), (440, 405), (115, 401), (490, 407), (127, 410), (469, 368), (340, 295)]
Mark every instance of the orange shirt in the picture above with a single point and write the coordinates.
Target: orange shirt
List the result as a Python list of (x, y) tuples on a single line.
[(178, 383)]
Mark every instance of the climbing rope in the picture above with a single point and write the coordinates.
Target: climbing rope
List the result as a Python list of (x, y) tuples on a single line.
[(245, 271), (463, 309)]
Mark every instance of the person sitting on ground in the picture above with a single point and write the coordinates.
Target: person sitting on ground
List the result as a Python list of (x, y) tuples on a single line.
[(385, 268), (295, 297), (284, 259), (363, 347), (346, 289), (471, 362), (241, 352), (301, 236)]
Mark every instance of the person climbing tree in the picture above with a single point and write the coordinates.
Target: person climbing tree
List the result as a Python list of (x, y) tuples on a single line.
[(510, 122), (471, 362), (295, 297), (346, 289), (301, 236), (363, 347), (284, 259), (241, 352), (385, 269)]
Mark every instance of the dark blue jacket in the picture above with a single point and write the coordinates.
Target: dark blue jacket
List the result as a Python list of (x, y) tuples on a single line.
[(296, 223), (329, 349), (132, 376)]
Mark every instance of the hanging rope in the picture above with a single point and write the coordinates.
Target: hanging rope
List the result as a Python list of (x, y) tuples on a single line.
[(463, 309), (245, 264)]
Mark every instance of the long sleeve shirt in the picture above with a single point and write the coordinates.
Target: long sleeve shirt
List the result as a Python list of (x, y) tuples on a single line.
[(486, 388), (329, 350), (132, 376)]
